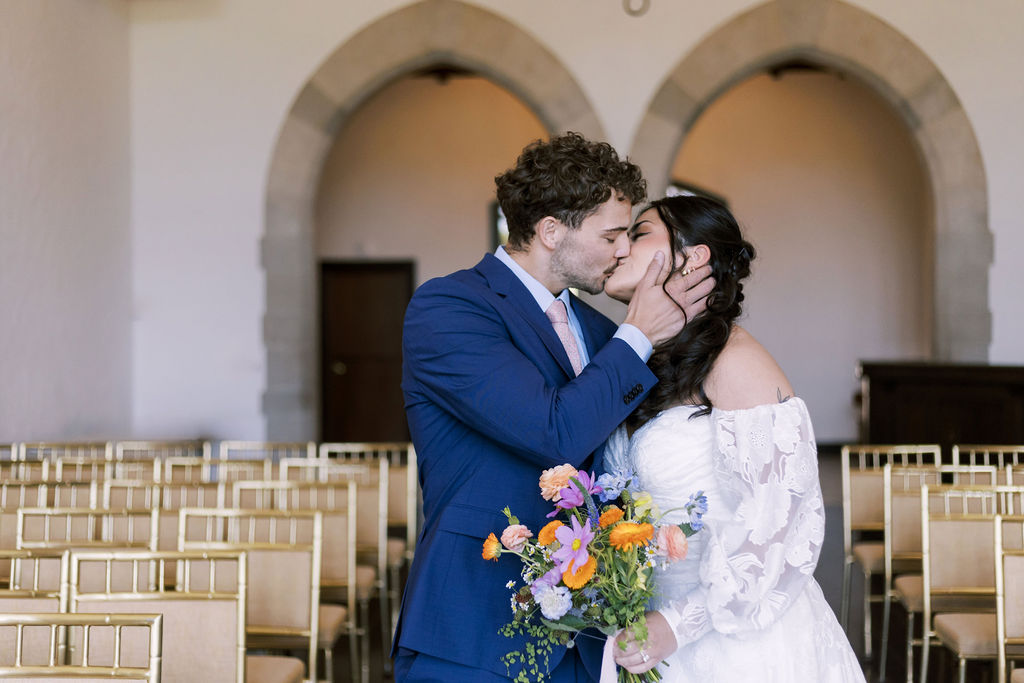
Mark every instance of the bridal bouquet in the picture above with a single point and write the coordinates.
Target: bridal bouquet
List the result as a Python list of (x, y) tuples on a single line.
[(590, 567)]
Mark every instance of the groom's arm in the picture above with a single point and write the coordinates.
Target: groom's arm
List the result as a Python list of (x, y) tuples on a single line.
[(460, 355)]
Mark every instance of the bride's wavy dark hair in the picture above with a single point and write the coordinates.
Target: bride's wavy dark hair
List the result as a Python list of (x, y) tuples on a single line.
[(682, 363)]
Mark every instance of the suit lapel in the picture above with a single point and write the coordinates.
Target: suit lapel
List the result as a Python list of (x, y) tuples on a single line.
[(505, 283), (593, 324)]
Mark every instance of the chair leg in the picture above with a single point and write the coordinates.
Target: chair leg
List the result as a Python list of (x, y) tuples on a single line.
[(886, 608), (867, 615), (844, 600), (364, 606), (329, 664), (926, 639), (963, 670), (910, 647), (393, 596), (385, 625), (353, 650)]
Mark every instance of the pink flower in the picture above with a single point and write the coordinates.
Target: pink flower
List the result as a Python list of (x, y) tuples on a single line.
[(672, 543), (514, 537), (552, 481)]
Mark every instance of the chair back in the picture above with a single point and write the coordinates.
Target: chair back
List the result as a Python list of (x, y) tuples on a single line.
[(1009, 553), (119, 646), (337, 501), (85, 528), (266, 450), (204, 615), (95, 450), (149, 450), (863, 485), (998, 455), (284, 557), (318, 469), (958, 555), (25, 471), (77, 468)]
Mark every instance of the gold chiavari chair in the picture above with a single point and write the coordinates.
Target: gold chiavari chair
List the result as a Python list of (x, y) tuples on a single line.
[(74, 468), (958, 562), (25, 471), (147, 450), (8, 452), (863, 515), (82, 528), (372, 477), (1000, 456), (403, 502), (35, 581), (115, 646), (51, 450), (204, 614), (1014, 475), (274, 451), (902, 538), (73, 494), (283, 550), (338, 503), (1009, 553), (15, 495)]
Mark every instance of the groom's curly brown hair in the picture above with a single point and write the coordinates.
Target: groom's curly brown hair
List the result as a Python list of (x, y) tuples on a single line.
[(568, 178)]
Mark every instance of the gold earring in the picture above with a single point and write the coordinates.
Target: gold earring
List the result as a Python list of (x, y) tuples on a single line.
[(687, 271)]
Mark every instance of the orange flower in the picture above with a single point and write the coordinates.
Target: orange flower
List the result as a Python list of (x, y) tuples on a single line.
[(492, 548), (626, 535), (547, 534), (610, 516), (578, 578)]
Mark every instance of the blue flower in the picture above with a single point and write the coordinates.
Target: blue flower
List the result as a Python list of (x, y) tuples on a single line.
[(612, 484)]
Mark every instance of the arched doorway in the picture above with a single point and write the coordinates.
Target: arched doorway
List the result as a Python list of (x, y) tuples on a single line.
[(427, 33), (838, 35)]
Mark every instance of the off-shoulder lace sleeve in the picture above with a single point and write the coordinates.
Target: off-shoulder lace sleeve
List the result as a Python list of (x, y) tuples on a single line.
[(760, 556)]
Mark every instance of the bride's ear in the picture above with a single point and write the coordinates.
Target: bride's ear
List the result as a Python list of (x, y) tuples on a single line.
[(697, 256)]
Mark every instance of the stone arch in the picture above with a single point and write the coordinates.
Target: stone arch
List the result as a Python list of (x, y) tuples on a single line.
[(426, 33), (837, 34)]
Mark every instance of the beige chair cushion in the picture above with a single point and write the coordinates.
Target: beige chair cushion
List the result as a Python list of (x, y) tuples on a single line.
[(396, 551), (332, 618), (1017, 676), (273, 669), (870, 556), (909, 590), (968, 635)]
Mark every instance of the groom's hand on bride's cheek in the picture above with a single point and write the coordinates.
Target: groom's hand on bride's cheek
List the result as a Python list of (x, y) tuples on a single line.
[(691, 290), (661, 642)]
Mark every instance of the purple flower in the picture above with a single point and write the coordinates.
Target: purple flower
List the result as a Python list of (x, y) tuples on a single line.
[(571, 496), (574, 542), (549, 580)]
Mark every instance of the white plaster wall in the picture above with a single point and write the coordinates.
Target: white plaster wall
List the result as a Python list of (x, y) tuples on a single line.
[(411, 176), (213, 80), (65, 276), (826, 183)]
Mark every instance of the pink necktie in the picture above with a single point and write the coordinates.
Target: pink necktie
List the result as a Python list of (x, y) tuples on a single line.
[(559, 318)]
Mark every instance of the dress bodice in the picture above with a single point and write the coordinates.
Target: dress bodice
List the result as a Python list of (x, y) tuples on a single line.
[(671, 456)]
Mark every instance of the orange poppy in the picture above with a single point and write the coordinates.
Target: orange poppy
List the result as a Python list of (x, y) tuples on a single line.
[(547, 534), (492, 548), (578, 578), (626, 535), (610, 516)]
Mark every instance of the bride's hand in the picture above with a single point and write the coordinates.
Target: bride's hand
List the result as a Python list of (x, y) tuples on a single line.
[(660, 316), (661, 642)]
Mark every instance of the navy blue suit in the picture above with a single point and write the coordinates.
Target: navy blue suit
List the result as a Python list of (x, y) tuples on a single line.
[(492, 401)]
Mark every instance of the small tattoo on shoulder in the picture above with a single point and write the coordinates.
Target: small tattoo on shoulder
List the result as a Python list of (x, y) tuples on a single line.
[(782, 399)]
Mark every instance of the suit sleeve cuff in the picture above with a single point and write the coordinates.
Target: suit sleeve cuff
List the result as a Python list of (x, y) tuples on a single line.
[(636, 339)]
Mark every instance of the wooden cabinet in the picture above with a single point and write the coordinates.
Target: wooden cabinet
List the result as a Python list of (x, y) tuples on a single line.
[(941, 403)]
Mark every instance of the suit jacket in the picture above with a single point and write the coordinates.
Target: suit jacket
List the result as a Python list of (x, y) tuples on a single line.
[(492, 401)]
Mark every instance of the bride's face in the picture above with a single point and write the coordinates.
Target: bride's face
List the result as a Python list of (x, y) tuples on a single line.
[(647, 236)]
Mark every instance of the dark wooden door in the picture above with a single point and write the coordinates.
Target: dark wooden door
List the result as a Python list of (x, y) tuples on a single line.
[(361, 310)]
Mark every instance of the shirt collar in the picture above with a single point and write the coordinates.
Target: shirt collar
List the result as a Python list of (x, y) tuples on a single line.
[(540, 293)]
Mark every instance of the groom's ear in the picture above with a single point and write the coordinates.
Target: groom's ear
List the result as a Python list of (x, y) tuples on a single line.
[(549, 231)]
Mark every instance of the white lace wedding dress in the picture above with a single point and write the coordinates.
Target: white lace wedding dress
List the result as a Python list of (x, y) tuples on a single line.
[(743, 603)]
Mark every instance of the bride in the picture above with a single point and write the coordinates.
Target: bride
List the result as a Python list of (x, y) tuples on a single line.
[(743, 604)]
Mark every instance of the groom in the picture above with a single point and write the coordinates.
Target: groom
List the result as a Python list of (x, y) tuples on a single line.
[(506, 373)]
